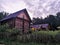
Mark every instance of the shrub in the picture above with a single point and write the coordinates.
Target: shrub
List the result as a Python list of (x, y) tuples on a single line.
[(3, 27), (3, 30), (7, 33), (12, 34)]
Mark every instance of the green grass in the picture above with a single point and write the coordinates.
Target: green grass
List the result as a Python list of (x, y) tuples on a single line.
[(18, 43), (48, 32), (7, 42), (30, 43)]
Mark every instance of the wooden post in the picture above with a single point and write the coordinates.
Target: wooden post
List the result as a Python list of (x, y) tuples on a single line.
[(23, 24)]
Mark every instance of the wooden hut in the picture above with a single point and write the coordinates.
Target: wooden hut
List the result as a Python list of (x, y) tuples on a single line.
[(19, 20)]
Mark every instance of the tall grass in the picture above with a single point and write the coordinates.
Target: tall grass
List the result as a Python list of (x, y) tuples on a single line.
[(13, 37), (41, 37)]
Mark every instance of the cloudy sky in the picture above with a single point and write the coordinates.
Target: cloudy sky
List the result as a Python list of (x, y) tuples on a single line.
[(35, 8)]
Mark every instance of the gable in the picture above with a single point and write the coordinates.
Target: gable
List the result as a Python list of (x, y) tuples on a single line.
[(19, 14), (23, 15)]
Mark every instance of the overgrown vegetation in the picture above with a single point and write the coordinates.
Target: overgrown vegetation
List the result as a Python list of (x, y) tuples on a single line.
[(42, 37), (3, 14), (13, 37), (8, 34)]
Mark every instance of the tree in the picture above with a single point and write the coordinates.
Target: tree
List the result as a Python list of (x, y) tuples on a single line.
[(37, 21), (51, 20), (3, 14), (58, 14), (58, 18)]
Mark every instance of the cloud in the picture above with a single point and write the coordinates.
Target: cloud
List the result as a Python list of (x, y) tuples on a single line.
[(43, 8), (12, 5), (35, 8)]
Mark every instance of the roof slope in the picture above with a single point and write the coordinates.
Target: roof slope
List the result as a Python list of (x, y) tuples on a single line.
[(13, 15)]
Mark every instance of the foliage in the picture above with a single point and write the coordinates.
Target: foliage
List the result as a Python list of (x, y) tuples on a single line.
[(3, 14), (53, 21), (3, 27), (7, 33), (41, 37)]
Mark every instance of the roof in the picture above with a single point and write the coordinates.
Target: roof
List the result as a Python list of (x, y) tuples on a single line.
[(39, 26), (13, 15)]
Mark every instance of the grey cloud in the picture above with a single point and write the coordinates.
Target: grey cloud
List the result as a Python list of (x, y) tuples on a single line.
[(48, 7), (37, 7)]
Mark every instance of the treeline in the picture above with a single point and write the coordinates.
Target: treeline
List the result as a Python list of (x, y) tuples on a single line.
[(52, 20), (3, 14)]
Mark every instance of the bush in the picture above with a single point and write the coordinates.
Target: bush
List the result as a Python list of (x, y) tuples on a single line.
[(3, 27), (7, 33), (3, 30), (11, 34)]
